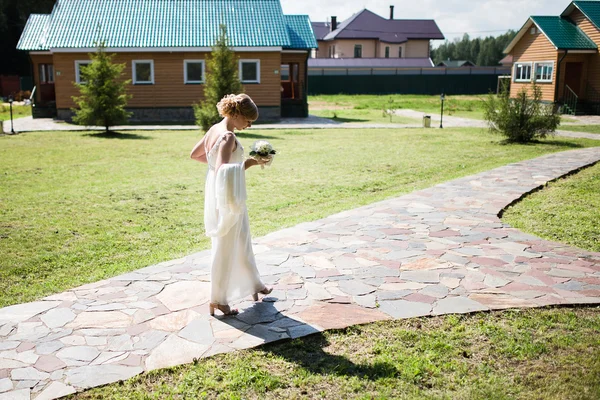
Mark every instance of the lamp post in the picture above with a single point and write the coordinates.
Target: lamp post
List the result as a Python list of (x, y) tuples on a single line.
[(10, 101), (442, 97)]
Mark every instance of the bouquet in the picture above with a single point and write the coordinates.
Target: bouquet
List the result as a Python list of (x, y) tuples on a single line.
[(262, 150)]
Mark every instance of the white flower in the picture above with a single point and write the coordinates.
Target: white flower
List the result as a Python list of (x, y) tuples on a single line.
[(262, 147)]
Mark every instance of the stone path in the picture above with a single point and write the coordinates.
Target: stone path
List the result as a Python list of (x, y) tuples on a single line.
[(435, 251)]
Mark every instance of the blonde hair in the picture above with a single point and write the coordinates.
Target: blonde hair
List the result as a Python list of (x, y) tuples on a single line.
[(238, 104)]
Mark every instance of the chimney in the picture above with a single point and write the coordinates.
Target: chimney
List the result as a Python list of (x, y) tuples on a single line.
[(391, 12), (333, 23)]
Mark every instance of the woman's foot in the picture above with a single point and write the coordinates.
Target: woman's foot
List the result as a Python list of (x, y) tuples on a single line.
[(265, 291), (226, 310)]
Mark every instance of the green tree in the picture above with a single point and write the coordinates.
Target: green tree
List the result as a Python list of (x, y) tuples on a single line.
[(103, 96), (521, 119), (221, 79)]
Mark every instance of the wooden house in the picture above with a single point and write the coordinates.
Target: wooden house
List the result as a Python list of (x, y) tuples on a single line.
[(560, 55), (164, 46)]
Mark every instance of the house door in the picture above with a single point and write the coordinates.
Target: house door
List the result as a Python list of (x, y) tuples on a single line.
[(573, 73), (289, 81), (46, 87)]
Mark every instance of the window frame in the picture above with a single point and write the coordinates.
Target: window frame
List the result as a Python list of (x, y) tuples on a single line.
[(133, 72), (78, 63), (544, 63), (400, 51), (257, 62), (359, 48), (185, 72), (524, 63), (387, 52)]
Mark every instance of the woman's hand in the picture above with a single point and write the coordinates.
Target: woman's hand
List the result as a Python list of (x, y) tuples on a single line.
[(250, 162)]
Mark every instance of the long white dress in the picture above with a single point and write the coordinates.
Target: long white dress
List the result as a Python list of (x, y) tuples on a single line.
[(233, 268)]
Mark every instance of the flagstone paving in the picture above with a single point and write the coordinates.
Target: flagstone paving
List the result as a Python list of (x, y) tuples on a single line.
[(436, 251)]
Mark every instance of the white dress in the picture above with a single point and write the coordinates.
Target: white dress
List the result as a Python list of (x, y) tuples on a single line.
[(233, 269)]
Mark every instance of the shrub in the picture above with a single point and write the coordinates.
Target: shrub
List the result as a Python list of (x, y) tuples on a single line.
[(521, 119), (103, 96), (221, 79)]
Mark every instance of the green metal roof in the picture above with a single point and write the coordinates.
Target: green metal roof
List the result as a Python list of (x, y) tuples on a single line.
[(165, 23), (564, 34), (591, 9), (300, 32), (35, 33)]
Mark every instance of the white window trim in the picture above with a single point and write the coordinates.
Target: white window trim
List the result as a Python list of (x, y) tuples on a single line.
[(530, 63), (42, 73), (185, 75), (77, 64), (133, 77), (534, 71), (257, 70), (50, 77)]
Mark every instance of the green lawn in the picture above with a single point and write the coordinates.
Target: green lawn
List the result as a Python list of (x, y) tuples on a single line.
[(365, 116), (77, 207), (18, 112), (347, 106), (581, 128), (567, 211), (551, 354)]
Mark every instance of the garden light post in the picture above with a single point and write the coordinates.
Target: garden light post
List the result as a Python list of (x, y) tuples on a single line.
[(442, 97), (10, 101)]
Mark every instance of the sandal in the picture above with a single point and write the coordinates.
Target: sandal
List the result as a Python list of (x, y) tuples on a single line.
[(226, 310), (265, 291)]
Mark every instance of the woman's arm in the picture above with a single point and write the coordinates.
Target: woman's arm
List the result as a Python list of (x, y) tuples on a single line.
[(199, 151), (226, 148)]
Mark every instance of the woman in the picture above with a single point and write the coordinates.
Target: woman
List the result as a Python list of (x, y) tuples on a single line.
[(233, 268)]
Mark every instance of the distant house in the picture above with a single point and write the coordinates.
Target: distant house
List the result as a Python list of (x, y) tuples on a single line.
[(368, 36), (560, 54), (455, 64), (165, 46), (506, 61)]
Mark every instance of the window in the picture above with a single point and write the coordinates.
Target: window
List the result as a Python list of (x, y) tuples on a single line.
[(543, 71), (193, 71), (46, 73), (143, 72), (80, 66), (533, 31), (332, 51), (250, 71), (387, 52), (523, 72), (358, 51), (400, 52)]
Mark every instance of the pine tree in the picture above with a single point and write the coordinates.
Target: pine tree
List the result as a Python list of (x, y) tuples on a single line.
[(221, 79), (103, 97)]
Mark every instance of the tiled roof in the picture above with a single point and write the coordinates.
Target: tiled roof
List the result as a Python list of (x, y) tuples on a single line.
[(35, 33), (159, 23), (368, 25), (563, 33), (591, 9), (300, 32), (369, 63), (321, 29)]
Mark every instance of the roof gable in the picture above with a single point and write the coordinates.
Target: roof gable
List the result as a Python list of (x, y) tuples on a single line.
[(368, 25), (589, 8), (160, 23), (561, 32)]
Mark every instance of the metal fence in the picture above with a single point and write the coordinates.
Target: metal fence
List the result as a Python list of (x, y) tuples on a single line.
[(467, 80)]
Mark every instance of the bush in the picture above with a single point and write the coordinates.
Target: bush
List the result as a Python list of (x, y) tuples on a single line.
[(522, 119)]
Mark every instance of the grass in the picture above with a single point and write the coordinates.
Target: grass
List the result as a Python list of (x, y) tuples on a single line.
[(18, 112), (77, 207), (567, 210), (581, 128), (549, 354), (457, 106), (371, 116)]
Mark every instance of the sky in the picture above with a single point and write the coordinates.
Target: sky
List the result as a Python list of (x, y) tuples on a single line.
[(454, 17)]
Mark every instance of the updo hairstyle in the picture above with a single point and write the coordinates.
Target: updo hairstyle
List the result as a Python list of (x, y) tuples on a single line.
[(241, 104)]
